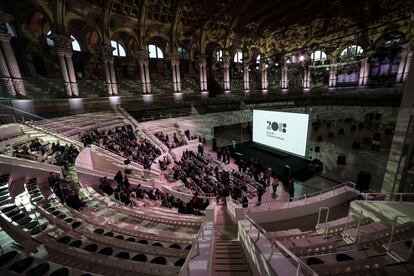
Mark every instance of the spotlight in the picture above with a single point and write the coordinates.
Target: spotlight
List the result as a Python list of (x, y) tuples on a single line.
[(301, 58)]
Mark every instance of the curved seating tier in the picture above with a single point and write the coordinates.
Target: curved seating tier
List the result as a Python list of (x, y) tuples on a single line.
[(145, 213), (14, 262), (88, 217)]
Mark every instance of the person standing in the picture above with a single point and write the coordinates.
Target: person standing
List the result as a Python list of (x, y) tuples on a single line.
[(228, 156), (275, 184), (219, 154), (260, 192), (119, 178)]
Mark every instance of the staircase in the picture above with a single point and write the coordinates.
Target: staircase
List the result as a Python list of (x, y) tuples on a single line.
[(228, 259), (228, 256)]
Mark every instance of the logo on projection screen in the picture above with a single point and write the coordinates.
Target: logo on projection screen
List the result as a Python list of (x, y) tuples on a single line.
[(275, 126)]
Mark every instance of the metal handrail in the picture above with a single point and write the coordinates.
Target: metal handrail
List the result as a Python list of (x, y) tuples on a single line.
[(399, 195), (326, 217), (186, 265), (307, 196), (394, 224), (300, 264)]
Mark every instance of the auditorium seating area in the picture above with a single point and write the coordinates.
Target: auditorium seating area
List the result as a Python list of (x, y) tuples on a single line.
[(366, 242), (74, 126), (83, 230), (86, 239)]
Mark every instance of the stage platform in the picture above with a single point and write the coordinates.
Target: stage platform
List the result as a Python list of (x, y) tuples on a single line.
[(273, 159)]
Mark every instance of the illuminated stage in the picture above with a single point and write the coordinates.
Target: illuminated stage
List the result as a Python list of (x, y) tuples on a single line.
[(274, 159)]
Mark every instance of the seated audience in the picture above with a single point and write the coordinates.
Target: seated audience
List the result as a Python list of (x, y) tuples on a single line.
[(123, 140), (174, 143)]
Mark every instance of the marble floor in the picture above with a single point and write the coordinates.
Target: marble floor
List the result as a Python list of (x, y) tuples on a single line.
[(363, 159)]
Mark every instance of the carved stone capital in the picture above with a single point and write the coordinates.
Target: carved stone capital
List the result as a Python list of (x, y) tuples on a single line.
[(142, 56), (226, 60), (61, 40), (4, 35), (175, 58), (64, 51), (202, 59), (106, 52)]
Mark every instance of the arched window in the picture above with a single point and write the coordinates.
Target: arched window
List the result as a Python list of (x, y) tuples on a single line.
[(183, 52), (238, 57), (119, 50), (351, 51), (155, 51), (219, 55), (49, 41), (318, 56), (11, 30), (258, 58), (75, 44)]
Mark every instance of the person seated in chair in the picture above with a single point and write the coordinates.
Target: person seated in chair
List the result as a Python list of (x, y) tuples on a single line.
[(105, 186), (74, 201), (245, 202)]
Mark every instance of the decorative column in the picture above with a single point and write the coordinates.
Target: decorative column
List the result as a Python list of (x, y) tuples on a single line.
[(175, 69), (332, 74), (113, 76), (263, 69), (246, 77), (108, 63), (397, 172), (306, 78), (10, 73), (226, 76), (407, 65), (401, 66), (5, 76), (363, 73), (72, 76), (143, 62), (284, 78), (63, 44), (203, 72)]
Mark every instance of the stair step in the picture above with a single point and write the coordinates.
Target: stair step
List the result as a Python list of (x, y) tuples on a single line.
[(230, 260), (224, 242), (227, 246), (227, 250), (231, 273), (231, 267), (227, 255)]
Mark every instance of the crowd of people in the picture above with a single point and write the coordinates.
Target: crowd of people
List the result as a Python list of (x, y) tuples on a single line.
[(223, 154), (202, 174), (66, 191), (55, 153), (130, 196), (175, 142), (123, 141), (164, 163)]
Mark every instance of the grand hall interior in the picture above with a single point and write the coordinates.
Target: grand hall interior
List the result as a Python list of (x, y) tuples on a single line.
[(197, 138)]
